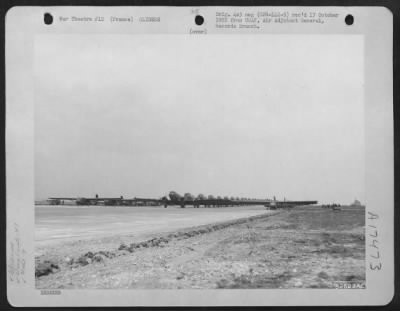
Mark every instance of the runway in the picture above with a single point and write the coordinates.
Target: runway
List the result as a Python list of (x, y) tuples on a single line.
[(55, 224)]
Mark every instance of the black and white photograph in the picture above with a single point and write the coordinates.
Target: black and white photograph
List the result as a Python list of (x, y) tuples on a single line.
[(226, 156), (249, 175)]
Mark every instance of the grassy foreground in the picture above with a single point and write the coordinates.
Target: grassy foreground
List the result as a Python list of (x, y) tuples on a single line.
[(299, 248)]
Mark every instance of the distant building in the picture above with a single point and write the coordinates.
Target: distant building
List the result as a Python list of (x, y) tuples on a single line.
[(356, 203)]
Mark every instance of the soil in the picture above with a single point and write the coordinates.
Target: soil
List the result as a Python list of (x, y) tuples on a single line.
[(304, 247)]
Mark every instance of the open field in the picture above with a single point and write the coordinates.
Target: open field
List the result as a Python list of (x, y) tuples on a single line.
[(299, 248)]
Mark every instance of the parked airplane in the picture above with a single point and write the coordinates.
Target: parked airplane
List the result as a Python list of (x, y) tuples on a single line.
[(89, 201), (187, 199), (105, 201)]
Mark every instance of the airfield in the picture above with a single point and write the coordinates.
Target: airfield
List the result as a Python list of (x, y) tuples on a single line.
[(57, 224), (233, 247)]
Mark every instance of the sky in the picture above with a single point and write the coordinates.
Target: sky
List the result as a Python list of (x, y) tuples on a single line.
[(250, 116)]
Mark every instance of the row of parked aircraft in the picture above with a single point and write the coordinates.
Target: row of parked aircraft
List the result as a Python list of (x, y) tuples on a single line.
[(187, 199), (211, 201)]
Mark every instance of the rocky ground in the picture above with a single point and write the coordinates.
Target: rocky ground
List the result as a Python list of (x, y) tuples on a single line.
[(298, 248)]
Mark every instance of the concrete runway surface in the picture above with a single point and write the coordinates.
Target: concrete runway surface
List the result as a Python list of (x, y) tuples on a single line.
[(55, 224)]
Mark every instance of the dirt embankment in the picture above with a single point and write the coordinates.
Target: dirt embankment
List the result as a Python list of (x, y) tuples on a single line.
[(68, 253), (302, 247)]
